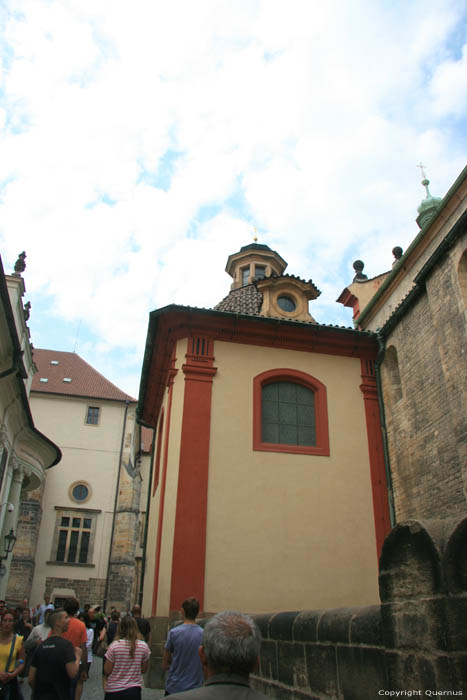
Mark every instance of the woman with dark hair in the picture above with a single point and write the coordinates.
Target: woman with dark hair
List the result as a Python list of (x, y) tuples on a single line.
[(112, 626), (11, 658), (126, 659)]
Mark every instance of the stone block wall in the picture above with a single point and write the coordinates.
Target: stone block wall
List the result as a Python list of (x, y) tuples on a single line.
[(24, 555), (89, 590), (155, 677), (416, 640), (427, 417)]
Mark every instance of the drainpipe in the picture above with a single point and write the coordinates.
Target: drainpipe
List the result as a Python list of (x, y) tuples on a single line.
[(378, 363), (146, 522), (115, 506)]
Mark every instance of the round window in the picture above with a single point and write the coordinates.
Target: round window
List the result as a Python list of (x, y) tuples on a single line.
[(80, 492), (286, 303)]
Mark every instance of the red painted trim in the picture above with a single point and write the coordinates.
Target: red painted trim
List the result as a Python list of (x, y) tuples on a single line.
[(376, 453), (189, 548), (176, 323), (157, 469), (321, 412), (171, 376)]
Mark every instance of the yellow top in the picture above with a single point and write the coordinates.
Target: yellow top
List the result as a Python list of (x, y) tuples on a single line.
[(5, 653)]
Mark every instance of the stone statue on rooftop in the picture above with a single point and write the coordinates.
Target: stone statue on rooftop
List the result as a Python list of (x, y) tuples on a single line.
[(20, 264)]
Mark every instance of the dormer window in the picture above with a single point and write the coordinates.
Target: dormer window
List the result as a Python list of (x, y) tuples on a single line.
[(245, 275), (260, 272)]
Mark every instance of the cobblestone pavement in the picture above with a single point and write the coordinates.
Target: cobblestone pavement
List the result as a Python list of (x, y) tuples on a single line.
[(93, 686)]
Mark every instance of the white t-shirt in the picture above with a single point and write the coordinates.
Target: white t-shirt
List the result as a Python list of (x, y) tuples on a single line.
[(126, 672), (90, 635)]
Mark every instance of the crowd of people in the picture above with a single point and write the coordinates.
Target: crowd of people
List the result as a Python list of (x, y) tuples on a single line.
[(53, 648)]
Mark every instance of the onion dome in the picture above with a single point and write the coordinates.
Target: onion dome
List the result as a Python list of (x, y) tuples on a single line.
[(429, 206)]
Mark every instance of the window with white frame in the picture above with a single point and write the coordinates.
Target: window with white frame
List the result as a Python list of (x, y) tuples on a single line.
[(74, 536), (92, 415)]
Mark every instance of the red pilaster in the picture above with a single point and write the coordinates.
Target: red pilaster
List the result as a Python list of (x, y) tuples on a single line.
[(376, 453), (189, 549)]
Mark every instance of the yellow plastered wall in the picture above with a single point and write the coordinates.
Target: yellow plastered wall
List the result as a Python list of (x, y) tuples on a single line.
[(89, 454), (288, 531), (168, 522)]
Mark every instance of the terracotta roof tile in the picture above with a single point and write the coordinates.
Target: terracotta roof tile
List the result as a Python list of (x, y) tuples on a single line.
[(68, 374), (299, 279), (244, 300)]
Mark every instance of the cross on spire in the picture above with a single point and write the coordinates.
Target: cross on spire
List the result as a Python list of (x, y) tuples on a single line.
[(422, 169)]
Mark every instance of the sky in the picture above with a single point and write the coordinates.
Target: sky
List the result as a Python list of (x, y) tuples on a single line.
[(142, 143)]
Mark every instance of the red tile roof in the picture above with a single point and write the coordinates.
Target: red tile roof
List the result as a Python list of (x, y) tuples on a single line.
[(58, 366)]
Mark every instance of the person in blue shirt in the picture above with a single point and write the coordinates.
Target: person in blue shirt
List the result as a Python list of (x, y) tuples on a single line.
[(229, 653), (181, 655)]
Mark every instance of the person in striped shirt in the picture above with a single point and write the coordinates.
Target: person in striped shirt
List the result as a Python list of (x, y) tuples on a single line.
[(126, 659)]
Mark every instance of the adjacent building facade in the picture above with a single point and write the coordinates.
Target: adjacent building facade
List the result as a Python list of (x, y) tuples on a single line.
[(25, 452), (419, 310), (81, 531)]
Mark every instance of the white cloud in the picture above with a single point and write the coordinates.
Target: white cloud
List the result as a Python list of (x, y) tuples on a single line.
[(312, 117)]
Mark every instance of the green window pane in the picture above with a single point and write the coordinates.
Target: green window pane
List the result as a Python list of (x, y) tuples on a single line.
[(270, 392), (287, 392), (288, 414), (305, 396), (87, 523), (83, 551), (72, 550), (270, 432), (62, 535), (305, 415), (288, 435), (76, 522), (306, 435), (270, 411)]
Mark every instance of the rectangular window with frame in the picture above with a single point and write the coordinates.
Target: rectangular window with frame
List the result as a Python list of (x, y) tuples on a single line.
[(74, 537), (92, 415)]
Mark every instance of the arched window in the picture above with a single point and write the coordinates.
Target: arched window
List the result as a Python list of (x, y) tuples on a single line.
[(290, 413), (392, 374)]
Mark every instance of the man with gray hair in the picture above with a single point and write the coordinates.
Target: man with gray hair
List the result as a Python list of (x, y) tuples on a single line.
[(229, 653)]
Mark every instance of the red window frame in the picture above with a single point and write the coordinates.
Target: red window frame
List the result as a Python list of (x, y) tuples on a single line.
[(321, 412)]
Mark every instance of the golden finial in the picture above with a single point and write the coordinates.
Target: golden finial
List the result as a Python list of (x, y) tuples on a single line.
[(255, 237)]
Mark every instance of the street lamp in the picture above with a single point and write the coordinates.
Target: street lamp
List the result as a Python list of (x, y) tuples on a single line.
[(10, 541)]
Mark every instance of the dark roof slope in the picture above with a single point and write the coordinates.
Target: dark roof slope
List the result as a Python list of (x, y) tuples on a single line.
[(244, 300), (57, 367)]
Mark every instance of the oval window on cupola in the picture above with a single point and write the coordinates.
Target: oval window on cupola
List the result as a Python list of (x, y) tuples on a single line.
[(286, 303)]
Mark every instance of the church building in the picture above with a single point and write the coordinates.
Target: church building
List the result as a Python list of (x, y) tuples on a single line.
[(268, 488)]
